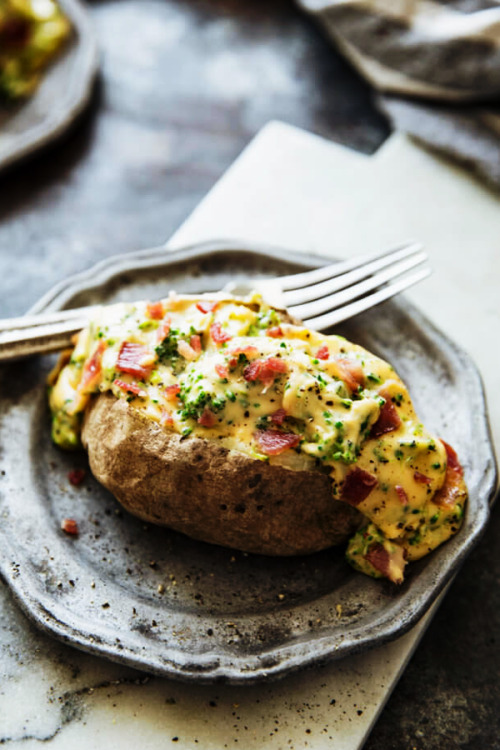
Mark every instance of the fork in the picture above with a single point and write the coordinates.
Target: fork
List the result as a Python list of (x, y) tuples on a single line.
[(321, 298)]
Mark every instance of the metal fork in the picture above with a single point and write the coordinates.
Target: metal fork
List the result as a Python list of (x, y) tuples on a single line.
[(321, 298)]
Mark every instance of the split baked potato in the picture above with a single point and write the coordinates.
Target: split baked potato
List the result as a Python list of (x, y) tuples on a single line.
[(221, 418)]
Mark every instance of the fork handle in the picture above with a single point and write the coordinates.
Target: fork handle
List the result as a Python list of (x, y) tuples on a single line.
[(41, 335)]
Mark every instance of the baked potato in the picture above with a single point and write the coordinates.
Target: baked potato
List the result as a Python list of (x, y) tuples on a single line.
[(224, 420)]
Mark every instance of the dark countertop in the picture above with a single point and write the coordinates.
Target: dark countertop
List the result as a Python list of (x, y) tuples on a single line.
[(185, 86)]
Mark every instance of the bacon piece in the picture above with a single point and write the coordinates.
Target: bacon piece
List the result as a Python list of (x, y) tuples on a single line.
[(248, 351), (323, 352), (252, 370), (195, 343), (206, 307), (172, 392), (357, 486), (222, 371), (218, 335), (131, 388), (155, 310), (92, 370), (278, 417), (207, 419), (166, 419), (421, 478), (401, 492), (163, 330), (276, 364), (275, 332), (274, 442), (452, 459), (69, 526), (271, 368), (187, 351), (389, 564), (76, 476), (453, 489), (379, 557), (135, 359), (351, 373), (265, 370), (388, 420)]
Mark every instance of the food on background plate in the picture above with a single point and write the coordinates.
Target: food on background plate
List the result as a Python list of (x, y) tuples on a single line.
[(32, 32), (224, 419)]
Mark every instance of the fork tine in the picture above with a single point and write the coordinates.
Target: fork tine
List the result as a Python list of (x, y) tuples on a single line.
[(333, 299), (333, 280), (301, 280), (330, 319)]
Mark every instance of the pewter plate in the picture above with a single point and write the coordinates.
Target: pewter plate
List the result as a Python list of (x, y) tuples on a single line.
[(156, 600), (63, 93)]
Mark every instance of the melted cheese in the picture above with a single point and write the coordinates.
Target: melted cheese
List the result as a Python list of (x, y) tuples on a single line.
[(312, 390)]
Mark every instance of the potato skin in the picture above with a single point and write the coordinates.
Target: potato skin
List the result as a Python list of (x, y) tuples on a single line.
[(212, 494)]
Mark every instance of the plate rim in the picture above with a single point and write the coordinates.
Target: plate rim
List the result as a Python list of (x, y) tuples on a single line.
[(251, 668)]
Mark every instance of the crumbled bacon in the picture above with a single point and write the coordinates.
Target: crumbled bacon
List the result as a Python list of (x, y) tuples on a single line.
[(252, 370), (206, 307), (207, 419), (218, 335), (278, 417), (351, 373), (275, 332), (76, 476), (388, 420), (453, 489), (195, 343), (131, 388), (135, 359), (155, 310), (390, 564), (92, 369), (222, 371), (452, 459), (275, 364), (323, 352), (166, 419), (271, 368), (187, 351), (421, 478), (401, 492), (69, 526), (379, 557), (357, 486), (172, 392), (248, 351), (265, 370), (274, 442), (163, 330)]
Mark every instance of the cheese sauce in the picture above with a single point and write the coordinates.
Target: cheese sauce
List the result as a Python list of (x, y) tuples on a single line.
[(235, 372)]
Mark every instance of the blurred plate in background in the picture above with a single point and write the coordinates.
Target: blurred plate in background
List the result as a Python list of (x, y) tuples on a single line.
[(62, 95)]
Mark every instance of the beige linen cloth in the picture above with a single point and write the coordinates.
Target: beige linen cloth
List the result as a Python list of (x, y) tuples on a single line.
[(435, 64)]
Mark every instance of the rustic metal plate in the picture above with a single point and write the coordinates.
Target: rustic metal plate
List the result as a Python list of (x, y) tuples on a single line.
[(64, 91), (156, 600)]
